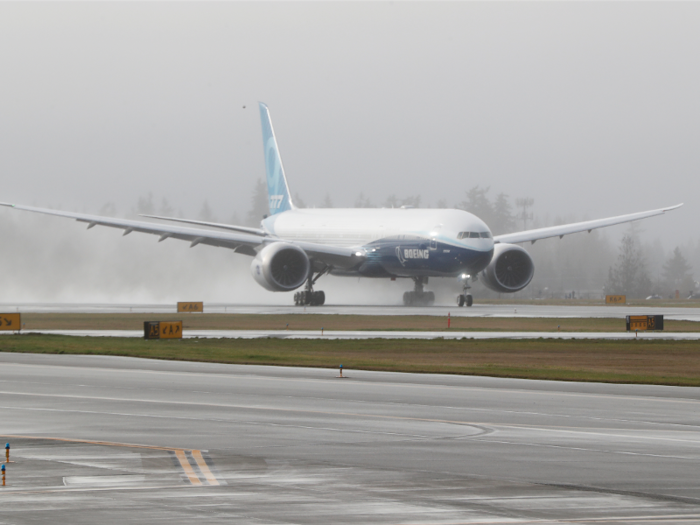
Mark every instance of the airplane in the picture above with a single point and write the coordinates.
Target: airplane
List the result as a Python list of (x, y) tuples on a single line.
[(294, 247)]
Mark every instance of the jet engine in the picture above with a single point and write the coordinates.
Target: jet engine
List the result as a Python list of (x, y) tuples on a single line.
[(511, 269), (280, 267)]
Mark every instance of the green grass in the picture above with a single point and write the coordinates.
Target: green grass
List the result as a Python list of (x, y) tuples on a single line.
[(628, 361)]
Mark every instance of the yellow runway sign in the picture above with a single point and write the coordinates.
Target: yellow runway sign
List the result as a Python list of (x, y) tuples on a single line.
[(615, 299), (190, 307), (644, 322), (10, 322), (162, 330)]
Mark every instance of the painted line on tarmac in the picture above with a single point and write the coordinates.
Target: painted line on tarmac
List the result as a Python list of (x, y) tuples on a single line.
[(186, 467), (180, 456)]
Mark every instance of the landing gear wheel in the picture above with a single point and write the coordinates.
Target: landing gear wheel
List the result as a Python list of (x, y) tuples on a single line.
[(470, 300), (318, 298), (418, 299), (307, 298), (460, 300)]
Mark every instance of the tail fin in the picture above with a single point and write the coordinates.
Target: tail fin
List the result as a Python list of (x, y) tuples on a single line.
[(277, 189)]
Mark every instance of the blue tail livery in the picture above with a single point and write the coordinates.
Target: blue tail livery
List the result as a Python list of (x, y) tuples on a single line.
[(277, 188)]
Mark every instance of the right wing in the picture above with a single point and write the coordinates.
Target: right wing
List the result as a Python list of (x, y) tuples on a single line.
[(240, 242)]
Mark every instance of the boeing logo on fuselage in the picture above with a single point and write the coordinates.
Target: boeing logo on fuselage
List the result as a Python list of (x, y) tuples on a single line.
[(415, 254), (403, 254)]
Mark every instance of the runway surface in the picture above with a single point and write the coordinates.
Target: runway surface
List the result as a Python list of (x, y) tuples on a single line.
[(246, 444), (478, 310), (377, 334)]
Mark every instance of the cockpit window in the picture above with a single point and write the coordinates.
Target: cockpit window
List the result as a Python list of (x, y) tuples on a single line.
[(474, 235)]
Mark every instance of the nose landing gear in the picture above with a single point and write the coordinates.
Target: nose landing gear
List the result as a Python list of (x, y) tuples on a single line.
[(465, 298), (418, 297)]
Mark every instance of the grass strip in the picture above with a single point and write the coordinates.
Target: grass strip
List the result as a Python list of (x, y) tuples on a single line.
[(629, 361)]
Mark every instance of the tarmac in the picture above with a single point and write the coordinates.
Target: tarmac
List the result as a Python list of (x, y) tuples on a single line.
[(680, 313), (97, 439)]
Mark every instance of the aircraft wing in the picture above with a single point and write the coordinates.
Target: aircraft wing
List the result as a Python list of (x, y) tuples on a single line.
[(566, 229), (241, 242)]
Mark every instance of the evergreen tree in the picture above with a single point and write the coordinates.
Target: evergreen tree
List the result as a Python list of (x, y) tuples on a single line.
[(411, 200), (205, 214), (327, 202), (391, 202), (677, 275), (363, 202), (478, 203), (503, 220), (165, 209), (629, 276), (259, 205), (298, 202), (145, 205), (108, 210)]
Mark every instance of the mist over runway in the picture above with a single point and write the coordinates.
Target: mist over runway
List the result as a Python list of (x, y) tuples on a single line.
[(294, 445), (478, 310)]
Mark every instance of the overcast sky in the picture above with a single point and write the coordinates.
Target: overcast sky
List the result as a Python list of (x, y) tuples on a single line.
[(592, 109)]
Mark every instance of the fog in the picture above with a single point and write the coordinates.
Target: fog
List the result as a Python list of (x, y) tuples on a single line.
[(591, 109)]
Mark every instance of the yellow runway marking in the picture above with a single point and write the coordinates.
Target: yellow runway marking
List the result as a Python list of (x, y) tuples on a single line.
[(197, 455), (182, 458), (178, 452)]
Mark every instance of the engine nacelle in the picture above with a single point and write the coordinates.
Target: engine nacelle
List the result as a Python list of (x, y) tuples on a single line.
[(281, 267), (511, 269)]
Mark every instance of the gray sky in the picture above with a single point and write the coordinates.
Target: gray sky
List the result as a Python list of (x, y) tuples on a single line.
[(590, 108)]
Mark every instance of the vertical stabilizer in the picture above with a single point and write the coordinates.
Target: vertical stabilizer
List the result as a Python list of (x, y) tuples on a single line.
[(277, 188)]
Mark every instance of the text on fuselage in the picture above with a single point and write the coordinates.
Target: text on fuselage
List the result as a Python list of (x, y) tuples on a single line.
[(409, 253)]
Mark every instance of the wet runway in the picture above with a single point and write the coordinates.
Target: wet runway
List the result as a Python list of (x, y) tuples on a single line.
[(153, 441), (478, 310), (378, 334)]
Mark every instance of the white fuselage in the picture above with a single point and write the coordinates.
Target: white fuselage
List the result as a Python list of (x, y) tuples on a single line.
[(396, 241), (361, 226)]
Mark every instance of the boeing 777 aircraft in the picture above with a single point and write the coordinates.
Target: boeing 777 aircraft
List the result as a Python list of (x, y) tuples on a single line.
[(294, 247)]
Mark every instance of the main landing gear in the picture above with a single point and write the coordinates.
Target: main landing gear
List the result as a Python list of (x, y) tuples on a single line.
[(465, 298), (309, 297), (418, 297)]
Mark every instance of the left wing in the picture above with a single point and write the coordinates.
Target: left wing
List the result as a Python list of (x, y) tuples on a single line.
[(239, 241), (566, 229)]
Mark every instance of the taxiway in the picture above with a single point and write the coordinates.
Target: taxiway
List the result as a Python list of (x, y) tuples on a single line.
[(111, 440)]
